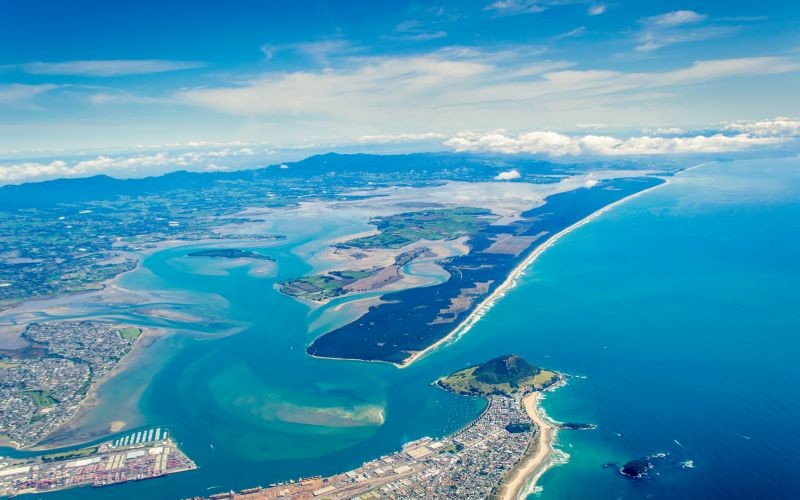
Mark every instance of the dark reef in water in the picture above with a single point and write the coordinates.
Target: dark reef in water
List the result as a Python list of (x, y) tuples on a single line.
[(573, 426), (636, 468), (644, 466), (412, 320)]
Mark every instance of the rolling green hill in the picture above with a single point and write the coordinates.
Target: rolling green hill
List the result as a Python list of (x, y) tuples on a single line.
[(505, 375)]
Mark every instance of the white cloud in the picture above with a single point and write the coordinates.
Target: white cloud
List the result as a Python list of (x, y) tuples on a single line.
[(663, 131), (590, 126), (123, 97), (675, 18), (414, 30), (369, 87), (580, 30), (596, 10), (107, 68), (515, 6), (320, 52), (122, 165), (390, 138), (779, 126), (679, 26), (555, 144), (508, 175), (464, 86), (17, 93)]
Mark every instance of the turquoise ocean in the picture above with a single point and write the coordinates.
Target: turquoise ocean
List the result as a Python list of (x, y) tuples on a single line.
[(677, 314)]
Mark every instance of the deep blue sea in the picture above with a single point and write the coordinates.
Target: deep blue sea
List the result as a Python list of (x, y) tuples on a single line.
[(682, 310), (676, 313)]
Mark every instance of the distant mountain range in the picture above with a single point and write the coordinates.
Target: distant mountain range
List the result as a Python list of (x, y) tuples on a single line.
[(417, 166)]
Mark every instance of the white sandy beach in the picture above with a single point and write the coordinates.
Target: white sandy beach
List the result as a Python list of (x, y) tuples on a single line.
[(513, 278), (536, 461)]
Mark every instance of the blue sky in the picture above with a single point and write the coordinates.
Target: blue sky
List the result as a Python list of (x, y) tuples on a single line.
[(98, 74)]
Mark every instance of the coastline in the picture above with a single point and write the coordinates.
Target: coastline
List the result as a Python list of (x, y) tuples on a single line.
[(112, 284), (511, 280), (106, 287), (536, 461), (91, 399)]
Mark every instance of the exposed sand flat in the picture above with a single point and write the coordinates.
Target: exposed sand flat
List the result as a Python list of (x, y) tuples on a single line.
[(110, 292), (390, 278), (514, 276), (92, 399), (337, 259), (116, 425)]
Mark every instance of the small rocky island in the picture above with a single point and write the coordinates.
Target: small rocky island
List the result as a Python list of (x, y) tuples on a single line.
[(503, 376), (229, 253), (636, 468), (576, 426)]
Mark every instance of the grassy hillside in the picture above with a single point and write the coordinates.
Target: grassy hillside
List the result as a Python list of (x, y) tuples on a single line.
[(505, 375)]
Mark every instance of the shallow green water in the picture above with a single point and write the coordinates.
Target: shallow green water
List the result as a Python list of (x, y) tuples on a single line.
[(680, 308)]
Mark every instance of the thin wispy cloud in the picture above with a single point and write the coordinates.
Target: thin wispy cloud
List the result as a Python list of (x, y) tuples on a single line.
[(17, 93), (368, 71), (108, 68), (596, 10), (515, 7), (590, 126), (396, 138), (415, 30), (675, 18), (580, 30), (472, 86), (319, 52), (679, 26)]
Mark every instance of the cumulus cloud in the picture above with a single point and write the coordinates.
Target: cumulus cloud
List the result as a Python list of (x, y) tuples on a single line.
[(555, 144), (508, 175), (664, 131), (107, 68), (779, 126), (122, 165)]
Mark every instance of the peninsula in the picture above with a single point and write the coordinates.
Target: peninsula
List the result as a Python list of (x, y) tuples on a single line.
[(409, 322), (512, 377), (44, 384), (145, 454)]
